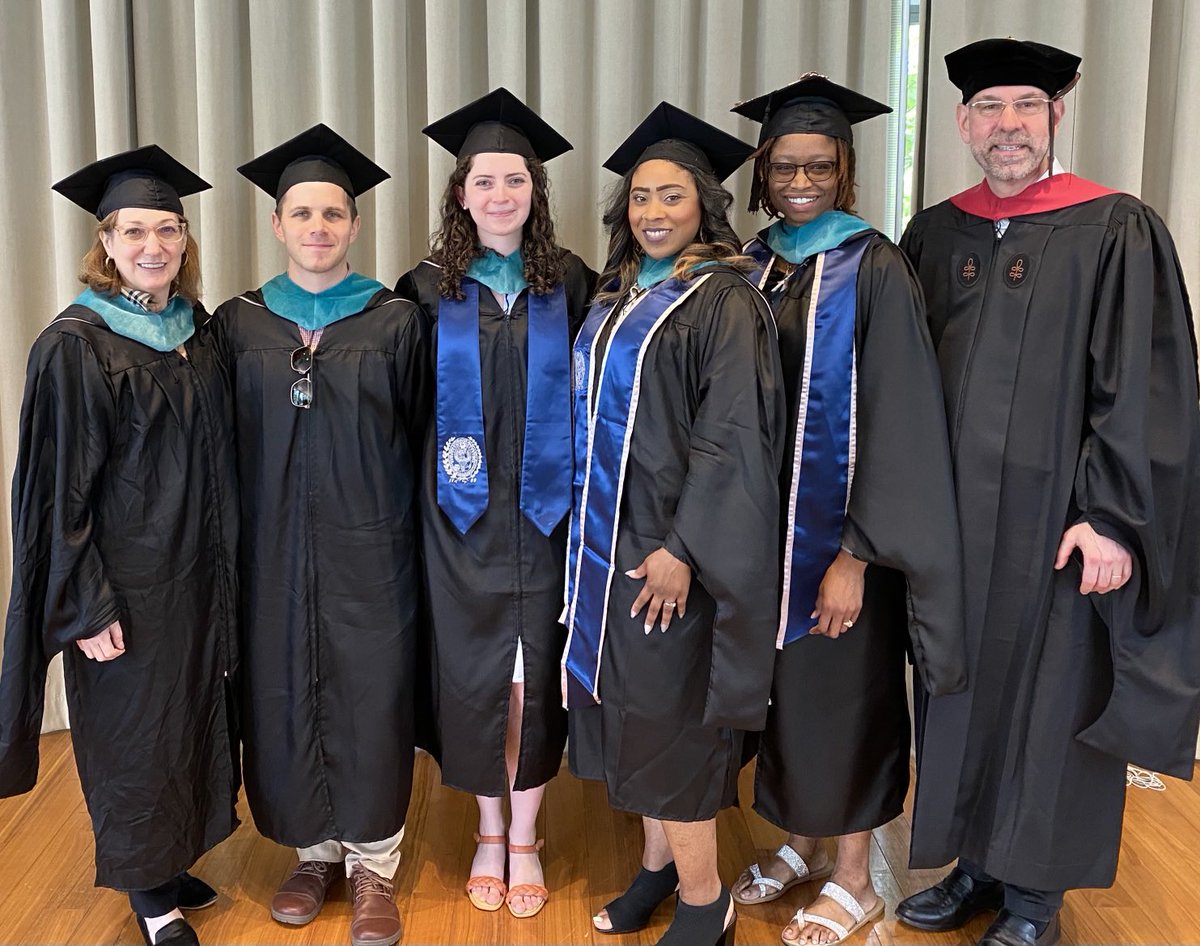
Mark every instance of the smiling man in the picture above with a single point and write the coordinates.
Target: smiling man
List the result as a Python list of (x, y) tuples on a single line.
[(331, 386), (1068, 361)]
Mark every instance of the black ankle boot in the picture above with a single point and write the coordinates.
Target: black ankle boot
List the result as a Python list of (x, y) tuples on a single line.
[(701, 926), (175, 933), (632, 910)]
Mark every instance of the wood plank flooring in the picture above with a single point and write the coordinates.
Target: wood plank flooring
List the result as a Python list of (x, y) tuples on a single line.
[(591, 853)]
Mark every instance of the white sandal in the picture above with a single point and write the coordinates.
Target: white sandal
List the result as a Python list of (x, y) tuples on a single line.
[(843, 899), (778, 888)]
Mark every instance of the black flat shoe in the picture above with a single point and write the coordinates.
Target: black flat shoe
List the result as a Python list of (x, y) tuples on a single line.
[(175, 933), (1008, 929), (951, 903), (194, 893), (632, 910), (702, 926)]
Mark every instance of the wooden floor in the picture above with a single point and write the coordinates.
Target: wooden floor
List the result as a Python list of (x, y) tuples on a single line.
[(591, 853)]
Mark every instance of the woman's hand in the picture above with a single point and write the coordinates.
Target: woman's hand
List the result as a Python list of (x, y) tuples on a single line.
[(839, 599), (666, 589), (107, 645)]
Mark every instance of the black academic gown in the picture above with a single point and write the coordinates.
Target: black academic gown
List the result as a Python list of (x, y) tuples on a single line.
[(329, 566), (839, 707), (500, 581), (124, 509), (1069, 366), (701, 480)]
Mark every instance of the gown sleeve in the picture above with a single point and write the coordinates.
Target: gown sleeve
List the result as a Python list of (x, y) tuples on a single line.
[(414, 378), (1136, 483), (59, 590), (902, 511), (726, 522)]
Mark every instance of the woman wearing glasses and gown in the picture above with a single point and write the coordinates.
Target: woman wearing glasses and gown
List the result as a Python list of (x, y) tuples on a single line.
[(505, 301), (869, 534), (124, 542)]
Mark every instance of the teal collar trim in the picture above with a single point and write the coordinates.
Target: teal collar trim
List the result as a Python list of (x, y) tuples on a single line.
[(653, 271), (831, 229), (502, 274), (314, 310), (162, 331)]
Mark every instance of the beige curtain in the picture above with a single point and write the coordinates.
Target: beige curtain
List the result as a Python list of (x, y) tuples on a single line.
[(217, 81), (1126, 123)]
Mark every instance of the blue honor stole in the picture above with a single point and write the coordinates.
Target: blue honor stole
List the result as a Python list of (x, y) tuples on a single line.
[(462, 477), (603, 429), (824, 451)]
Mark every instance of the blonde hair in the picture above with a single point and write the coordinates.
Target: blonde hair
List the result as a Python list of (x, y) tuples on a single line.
[(98, 273)]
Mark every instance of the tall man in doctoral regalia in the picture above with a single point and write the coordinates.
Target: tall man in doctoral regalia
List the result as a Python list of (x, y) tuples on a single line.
[(331, 389), (1068, 360)]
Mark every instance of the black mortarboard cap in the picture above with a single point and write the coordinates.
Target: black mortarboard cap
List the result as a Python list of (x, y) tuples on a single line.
[(499, 121), (990, 62), (318, 154), (145, 177), (813, 104), (672, 134)]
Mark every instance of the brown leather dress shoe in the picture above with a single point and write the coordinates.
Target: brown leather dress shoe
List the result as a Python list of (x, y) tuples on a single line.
[(376, 921), (298, 899)]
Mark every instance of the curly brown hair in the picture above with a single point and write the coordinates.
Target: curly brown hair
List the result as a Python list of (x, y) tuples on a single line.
[(715, 241), (456, 242), (96, 273), (844, 175)]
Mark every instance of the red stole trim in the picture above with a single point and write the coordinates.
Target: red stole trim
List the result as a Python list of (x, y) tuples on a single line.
[(1054, 193)]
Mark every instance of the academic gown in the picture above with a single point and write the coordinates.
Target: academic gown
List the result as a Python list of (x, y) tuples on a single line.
[(124, 509), (500, 581), (839, 707), (1069, 366), (701, 480), (329, 566)]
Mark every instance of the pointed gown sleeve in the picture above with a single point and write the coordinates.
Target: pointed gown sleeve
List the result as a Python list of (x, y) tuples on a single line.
[(726, 522), (902, 511), (1137, 483), (59, 590)]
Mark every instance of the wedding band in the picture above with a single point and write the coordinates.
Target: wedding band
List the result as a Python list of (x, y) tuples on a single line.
[(847, 624), (668, 604), (1116, 575)]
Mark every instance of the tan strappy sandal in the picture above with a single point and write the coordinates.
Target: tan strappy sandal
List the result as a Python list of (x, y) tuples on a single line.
[(526, 890), (484, 881)]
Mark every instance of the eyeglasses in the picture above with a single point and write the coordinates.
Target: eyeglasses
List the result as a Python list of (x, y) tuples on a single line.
[(167, 233), (302, 388), (992, 109), (815, 171)]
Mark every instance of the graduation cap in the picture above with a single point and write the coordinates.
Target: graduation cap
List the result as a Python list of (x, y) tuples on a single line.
[(145, 177), (990, 62), (318, 154), (672, 134), (497, 122), (813, 104)]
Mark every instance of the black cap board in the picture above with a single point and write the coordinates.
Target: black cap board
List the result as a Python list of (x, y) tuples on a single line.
[(672, 134), (145, 177), (318, 154), (991, 62), (813, 104), (497, 122)]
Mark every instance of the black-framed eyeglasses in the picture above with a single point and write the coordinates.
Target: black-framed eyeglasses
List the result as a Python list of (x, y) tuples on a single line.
[(815, 171), (992, 109), (302, 388)]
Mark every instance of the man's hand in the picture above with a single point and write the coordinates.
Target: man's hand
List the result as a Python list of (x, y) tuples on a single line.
[(839, 599), (109, 644), (1106, 564), (666, 589)]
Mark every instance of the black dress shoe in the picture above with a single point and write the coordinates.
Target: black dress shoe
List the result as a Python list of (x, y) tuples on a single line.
[(195, 894), (1008, 929), (951, 903), (175, 933)]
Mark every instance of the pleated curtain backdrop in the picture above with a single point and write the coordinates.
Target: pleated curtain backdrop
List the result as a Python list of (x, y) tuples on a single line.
[(217, 81)]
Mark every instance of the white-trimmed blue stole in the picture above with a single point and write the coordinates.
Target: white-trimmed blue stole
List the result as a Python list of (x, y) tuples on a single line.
[(462, 475), (603, 430), (824, 449)]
